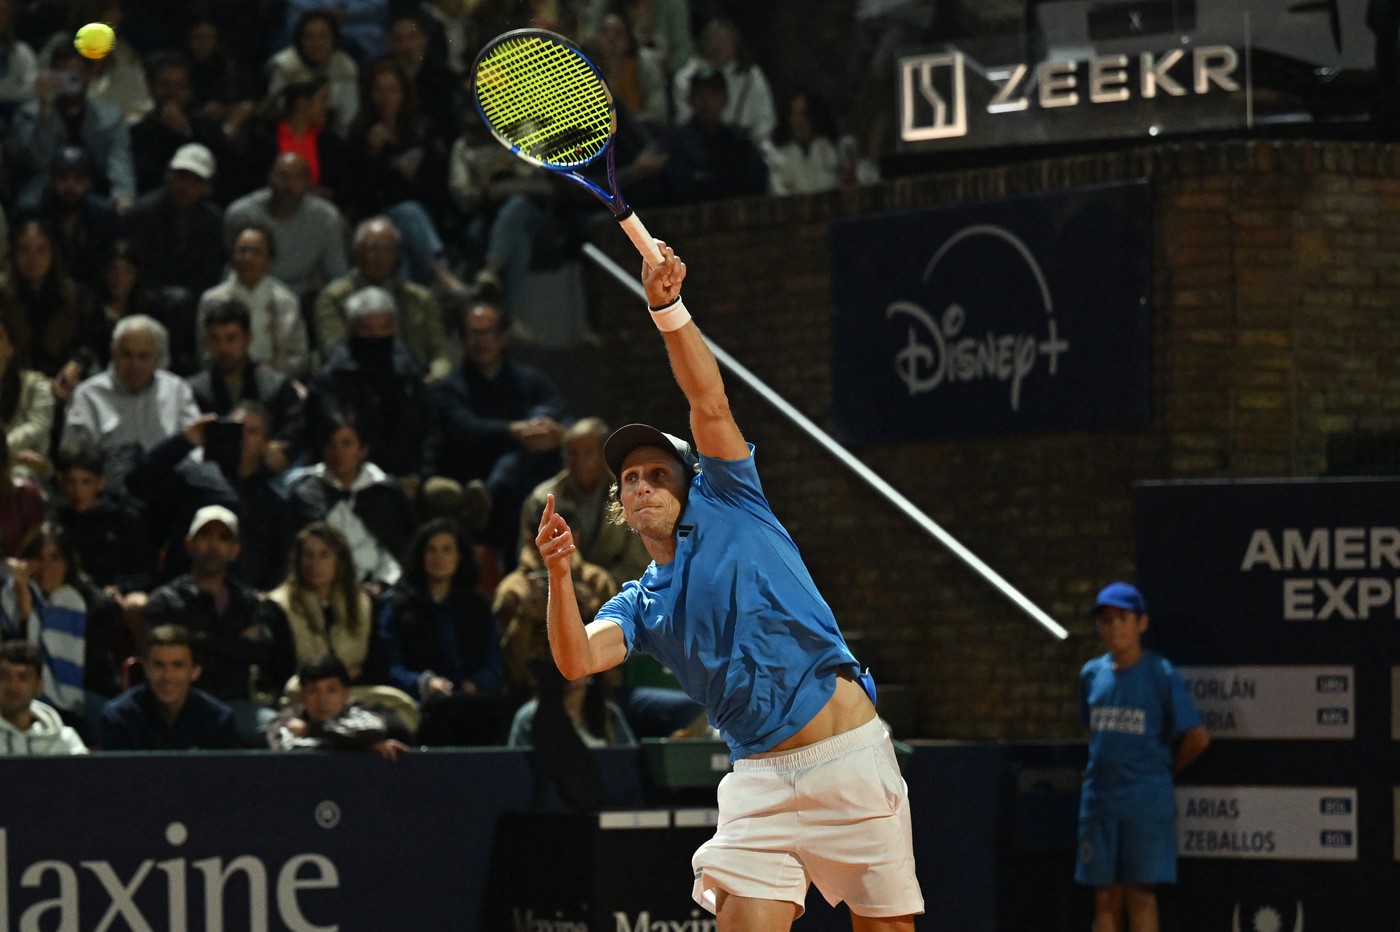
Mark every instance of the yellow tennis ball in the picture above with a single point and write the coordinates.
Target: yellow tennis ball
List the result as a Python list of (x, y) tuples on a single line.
[(94, 40)]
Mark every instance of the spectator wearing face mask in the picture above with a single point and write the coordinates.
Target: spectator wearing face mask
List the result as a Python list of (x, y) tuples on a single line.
[(371, 373)]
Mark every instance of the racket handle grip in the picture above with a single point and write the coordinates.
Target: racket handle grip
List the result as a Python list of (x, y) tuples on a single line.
[(646, 245)]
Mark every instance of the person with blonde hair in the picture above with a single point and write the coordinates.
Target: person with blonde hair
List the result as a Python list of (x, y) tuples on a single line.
[(329, 614), (728, 604), (327, 611)]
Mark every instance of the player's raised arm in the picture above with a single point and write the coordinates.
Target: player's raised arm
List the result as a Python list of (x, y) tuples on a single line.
[(696, 371), (578, 650)]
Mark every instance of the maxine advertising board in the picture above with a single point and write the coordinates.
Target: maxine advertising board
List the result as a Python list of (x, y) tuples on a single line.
[(993, 318)]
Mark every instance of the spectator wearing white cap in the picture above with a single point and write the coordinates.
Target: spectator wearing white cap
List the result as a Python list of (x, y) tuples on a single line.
[(170, 124), (243, 640), (177, 233)]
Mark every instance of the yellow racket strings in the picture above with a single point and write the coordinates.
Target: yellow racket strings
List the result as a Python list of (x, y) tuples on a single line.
[(545, 100)]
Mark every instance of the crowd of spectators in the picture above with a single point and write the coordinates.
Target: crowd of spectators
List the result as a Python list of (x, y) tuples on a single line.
[(272, 472)]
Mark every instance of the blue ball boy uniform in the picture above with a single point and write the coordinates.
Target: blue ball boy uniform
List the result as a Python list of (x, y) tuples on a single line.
[(1127, 816)]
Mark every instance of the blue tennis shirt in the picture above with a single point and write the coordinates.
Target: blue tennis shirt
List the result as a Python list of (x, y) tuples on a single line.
[(736, 616)]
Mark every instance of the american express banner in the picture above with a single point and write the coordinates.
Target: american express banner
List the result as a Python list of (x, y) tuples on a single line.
[(1281, 571), (1277, 601)]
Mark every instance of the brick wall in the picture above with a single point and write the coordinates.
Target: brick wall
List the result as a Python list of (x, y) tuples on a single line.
[(1276, 328)]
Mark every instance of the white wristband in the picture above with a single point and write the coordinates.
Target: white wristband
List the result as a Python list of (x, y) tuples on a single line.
[(673, 316)]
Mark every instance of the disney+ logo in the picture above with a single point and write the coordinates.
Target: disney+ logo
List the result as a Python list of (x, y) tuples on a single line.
[(936, 350)]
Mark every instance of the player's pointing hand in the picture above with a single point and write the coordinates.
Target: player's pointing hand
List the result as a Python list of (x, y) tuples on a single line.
[(554, 540)]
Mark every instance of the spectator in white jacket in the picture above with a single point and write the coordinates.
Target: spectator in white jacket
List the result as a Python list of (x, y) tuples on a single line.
[(28, 726), (750, 106)]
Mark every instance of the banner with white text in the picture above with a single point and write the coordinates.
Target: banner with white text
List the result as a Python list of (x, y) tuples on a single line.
[(1075, 70), (1282, 823), (1274, 702), (1279, 602), (995, 318)]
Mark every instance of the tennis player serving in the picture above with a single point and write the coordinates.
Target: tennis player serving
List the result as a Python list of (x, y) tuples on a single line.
[(727, 604)]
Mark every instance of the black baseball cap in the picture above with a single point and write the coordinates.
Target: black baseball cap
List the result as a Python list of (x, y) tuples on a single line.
[(71, 158), (631, 436), (705, 76)]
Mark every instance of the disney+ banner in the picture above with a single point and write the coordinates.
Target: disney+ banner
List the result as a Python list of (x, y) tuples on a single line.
[(1013, 316)]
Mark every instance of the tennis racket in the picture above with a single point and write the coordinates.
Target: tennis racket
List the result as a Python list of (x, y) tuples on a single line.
[(542, 99)]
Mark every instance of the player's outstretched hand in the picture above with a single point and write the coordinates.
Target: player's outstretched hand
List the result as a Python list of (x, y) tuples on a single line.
[(555, 541), (663, 283)]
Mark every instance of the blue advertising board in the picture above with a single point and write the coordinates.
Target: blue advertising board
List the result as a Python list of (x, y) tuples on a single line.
[(1020, 315), (1272, 571), (1280, 602), (453, 839), (1098, 69)]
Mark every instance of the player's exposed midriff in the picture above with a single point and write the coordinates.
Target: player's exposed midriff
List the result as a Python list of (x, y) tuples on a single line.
[(848, 708)]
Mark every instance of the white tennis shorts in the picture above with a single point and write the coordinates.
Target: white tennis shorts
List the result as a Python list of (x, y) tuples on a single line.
[(834, 813)]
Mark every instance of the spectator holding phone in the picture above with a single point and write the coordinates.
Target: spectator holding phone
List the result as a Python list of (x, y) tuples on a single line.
[(61, 114), (233, 375), (219, 461)]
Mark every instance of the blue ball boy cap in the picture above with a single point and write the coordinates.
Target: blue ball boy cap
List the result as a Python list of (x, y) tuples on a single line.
[(1120, 595)]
